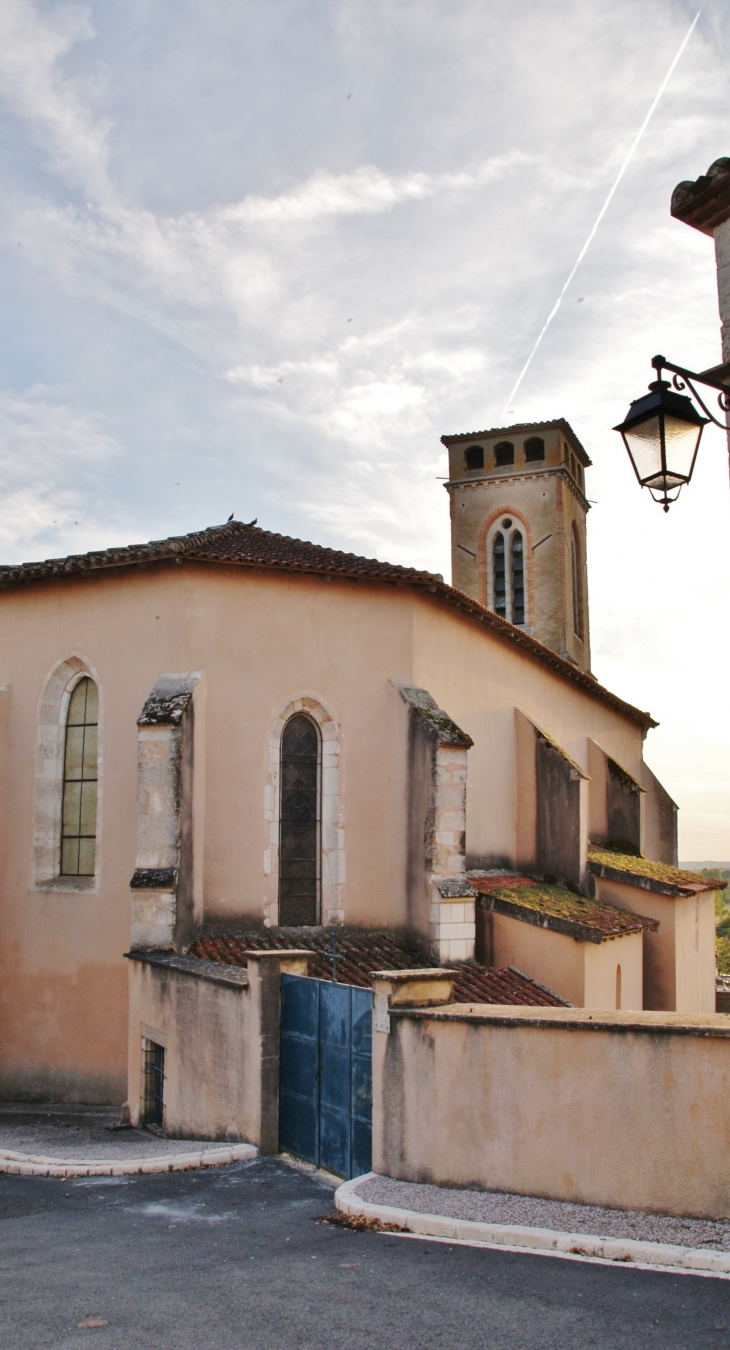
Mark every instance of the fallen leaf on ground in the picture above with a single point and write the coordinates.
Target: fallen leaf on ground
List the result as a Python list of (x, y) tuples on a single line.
[(93, 1322)]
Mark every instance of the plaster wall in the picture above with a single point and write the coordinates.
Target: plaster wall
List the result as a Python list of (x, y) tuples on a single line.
[(660, 817), (679, 958), (619, 1109), (263, 639), (582, 972), (221, 1044)]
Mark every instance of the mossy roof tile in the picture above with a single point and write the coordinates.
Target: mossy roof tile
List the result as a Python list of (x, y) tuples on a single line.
[(650, 875), (555, 907)]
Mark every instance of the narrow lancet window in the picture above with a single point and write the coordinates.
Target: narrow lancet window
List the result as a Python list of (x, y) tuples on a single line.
[(78, 829), (518, 578), (500, 580), (577, 587), (299, 830)]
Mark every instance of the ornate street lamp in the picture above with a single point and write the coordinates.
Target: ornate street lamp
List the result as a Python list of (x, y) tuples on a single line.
[(662, 430)]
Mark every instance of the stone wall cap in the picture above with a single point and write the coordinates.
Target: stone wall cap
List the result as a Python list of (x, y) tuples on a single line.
[(454, 888), (276, 953), (437, 722), (169, 700), (708, 1025), (403, 976), (154, 879), (196, 966)]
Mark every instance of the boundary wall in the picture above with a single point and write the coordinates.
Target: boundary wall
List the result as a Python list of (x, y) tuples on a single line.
[(628, 1110)]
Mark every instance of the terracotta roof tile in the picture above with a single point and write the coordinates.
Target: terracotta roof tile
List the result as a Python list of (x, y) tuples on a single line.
[(248, 546), (649, 875), (361, 953), (557, 908)]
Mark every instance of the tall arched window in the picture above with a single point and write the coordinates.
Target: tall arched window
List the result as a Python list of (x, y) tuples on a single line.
[(507, 585), (518, 578), (299, 823), (500, 579), (78, 817), (577, 576)]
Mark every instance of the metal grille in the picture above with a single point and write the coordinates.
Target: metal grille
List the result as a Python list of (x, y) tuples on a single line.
[(299, 830), (78, 829), (518, 579), (153, 1083)]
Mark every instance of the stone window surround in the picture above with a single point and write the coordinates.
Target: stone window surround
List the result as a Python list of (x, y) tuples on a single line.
[(490, 527), (52, 712), (332, 821)]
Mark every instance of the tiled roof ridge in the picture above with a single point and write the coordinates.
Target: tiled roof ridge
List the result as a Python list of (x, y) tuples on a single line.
[(358, 950), (203, 546), (450, 439)]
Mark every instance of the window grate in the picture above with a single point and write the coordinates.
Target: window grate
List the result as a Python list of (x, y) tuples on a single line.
[(153, 1083)]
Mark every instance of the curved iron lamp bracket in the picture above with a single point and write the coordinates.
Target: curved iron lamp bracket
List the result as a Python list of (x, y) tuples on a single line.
[(683, 379)]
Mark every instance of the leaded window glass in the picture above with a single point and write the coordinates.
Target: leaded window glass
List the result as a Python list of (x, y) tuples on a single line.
[(500, 579), (518, 578), (78, 817), (299, 830)]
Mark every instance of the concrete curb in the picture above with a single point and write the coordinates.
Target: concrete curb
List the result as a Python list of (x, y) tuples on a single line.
[(36, 1165), (625, 1250)]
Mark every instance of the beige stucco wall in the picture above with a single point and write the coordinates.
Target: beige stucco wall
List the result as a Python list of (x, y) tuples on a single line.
[(582, 972), (221, 1042), (263, 640), (635, 1114), (679, 958)]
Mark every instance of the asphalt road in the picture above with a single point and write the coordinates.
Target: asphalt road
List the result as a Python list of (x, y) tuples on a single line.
[(234, 1258)]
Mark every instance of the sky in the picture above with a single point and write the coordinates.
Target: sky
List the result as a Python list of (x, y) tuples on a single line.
[(257, 256)]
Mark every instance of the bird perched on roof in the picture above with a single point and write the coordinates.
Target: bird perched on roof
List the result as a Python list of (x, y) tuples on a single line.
[(252, 522), (230, 518)]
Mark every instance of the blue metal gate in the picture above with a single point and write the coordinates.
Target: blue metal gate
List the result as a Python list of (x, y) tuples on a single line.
[(325, 1083)]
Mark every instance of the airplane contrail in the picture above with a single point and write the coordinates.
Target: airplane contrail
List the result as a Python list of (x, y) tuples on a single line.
[(601, 214)]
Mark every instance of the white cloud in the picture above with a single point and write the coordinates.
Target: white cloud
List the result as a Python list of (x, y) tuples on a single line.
[(32, 49), (52, 465)]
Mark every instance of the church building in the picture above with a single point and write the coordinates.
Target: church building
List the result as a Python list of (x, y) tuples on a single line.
[(234, 742)]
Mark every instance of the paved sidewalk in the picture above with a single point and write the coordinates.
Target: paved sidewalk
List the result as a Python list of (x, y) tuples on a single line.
[(529, 1223), (82, 1141)]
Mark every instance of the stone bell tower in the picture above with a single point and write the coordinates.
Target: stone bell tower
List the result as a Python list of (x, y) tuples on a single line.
[(518, 529)]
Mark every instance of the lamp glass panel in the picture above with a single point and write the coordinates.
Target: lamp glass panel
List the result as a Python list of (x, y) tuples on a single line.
[(643, 443), (681, 439)]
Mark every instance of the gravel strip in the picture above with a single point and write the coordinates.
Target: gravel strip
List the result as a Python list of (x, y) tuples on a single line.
[(68, 1134), (496, 1207)]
